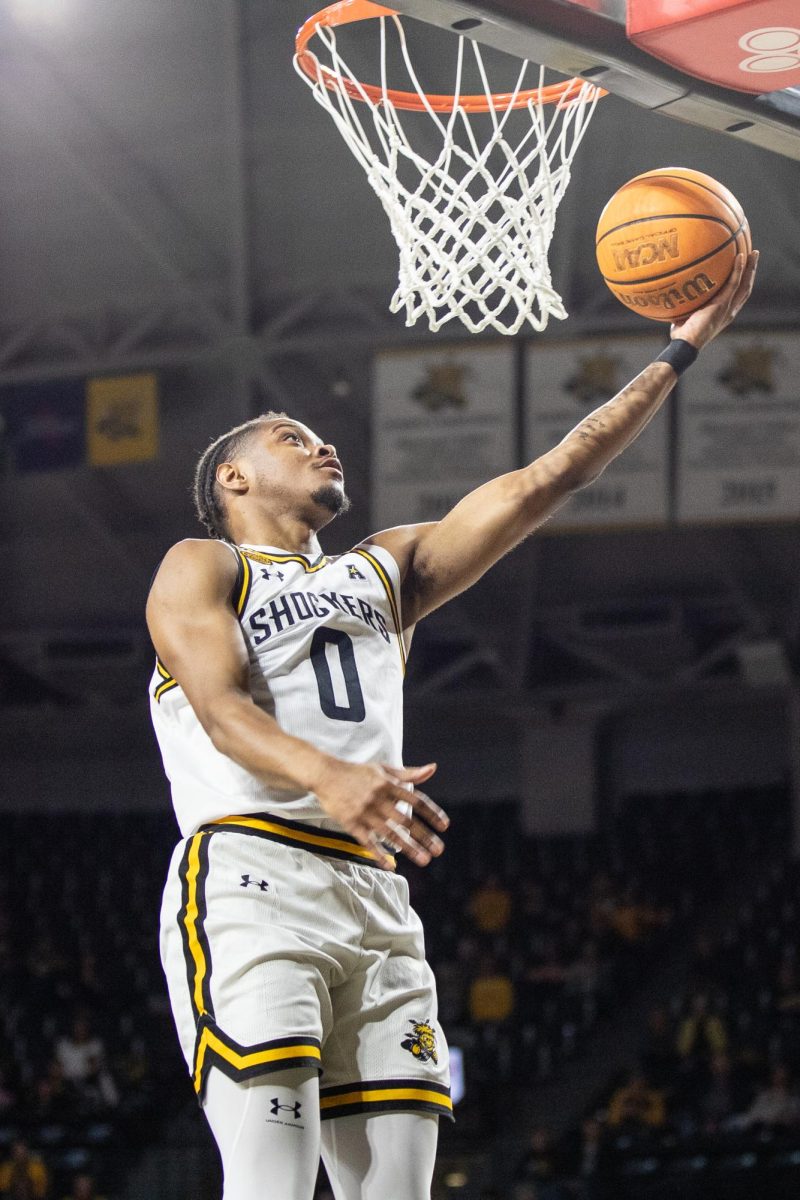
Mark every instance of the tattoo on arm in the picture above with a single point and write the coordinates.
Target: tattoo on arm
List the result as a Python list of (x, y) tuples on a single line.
[(602, 434), (589, 427)]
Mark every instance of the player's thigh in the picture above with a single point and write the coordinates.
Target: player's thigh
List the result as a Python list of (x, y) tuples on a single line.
[(249, 986), (386, 1051), (267, 1130), (382, 1156)]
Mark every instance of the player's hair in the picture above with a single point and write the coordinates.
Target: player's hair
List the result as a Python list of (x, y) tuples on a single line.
[(207, 494)]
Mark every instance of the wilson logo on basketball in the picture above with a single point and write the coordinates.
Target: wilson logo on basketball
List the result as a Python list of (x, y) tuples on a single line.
[(670, 299), (646, 253)]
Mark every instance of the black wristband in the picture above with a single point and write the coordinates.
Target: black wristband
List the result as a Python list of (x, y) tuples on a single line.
[(679, 354)]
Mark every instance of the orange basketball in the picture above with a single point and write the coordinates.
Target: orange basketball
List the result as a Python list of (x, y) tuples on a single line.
[(667, 240)]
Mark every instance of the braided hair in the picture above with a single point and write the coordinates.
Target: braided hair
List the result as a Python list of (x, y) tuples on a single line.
[(208, 501)]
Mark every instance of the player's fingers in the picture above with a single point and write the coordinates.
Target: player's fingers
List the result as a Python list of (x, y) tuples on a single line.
[(411, 774), (417, 843), (370, 840), (424, 807), (403, 819), (425, 836), (727, 294), (366, 831), (747, 280)]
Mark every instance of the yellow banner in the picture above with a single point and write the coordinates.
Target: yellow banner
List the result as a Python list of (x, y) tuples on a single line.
[(121, 419)]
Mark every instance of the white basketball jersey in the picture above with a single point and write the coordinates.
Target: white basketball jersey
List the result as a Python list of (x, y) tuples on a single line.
[(326, 661)]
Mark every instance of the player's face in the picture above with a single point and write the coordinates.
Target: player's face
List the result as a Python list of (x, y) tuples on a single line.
[(292, 459)]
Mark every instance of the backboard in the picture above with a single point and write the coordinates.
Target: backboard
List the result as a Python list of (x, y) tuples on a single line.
[(588, 38)]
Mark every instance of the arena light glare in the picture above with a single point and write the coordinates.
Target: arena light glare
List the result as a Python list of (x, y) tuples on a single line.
[(456, 1180), (40, 12)]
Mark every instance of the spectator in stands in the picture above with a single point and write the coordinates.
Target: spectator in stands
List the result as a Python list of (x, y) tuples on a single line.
[(636, 1107), (584, 974), (48, 1103), (490, 906), (83, 1188), (587, 1159), (707, 967), (701, 1034), (23, 1176), (775, 1106), (89, 988), (787, 1009), (629, 919), (8, 1095), (59, 1096), (135, 1065), (83, 1060), (48, 975), (451, 986), (659, 1059), (530, 907), (539, 1166), (723, 1095), (787, 987), (491, 994)]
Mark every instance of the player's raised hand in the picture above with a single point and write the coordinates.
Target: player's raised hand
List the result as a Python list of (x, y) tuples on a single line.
[(380, 806), (701, 326)]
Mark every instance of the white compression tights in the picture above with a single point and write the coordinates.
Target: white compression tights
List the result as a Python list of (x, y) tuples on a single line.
[(270, 1148)]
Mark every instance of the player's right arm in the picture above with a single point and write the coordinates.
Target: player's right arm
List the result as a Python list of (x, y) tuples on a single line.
[(198, 638)]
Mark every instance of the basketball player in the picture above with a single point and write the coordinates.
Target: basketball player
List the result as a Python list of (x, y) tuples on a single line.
[(296, 970)]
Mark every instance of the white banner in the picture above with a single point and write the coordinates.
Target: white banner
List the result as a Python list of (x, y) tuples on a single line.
[(443, 423), (739, 430), (566, 380)]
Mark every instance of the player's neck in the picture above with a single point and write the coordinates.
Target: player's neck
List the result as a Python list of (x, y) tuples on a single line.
[(292, 534)]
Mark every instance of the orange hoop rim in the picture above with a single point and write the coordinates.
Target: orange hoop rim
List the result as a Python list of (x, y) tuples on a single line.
[(345, 12)]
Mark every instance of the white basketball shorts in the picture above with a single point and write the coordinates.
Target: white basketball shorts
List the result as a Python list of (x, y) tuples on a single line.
[(284, 944)]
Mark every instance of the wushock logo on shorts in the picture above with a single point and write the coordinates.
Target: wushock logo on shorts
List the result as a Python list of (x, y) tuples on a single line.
[(421, 1041)]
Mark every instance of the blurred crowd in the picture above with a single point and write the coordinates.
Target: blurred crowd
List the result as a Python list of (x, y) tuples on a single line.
[(541, 938), (534, 942), (718, 1079), (87, 1042)]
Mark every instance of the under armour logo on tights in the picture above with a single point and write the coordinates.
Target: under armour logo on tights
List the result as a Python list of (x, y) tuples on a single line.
[(277, 1107)]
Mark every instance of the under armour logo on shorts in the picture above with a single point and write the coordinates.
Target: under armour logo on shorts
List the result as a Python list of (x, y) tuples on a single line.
[(277, 1107), (262, 886)]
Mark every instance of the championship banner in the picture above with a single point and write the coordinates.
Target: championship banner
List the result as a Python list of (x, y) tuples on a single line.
[(121, 419), (443, 424), (564, 381), (45, 424), (738, 455)]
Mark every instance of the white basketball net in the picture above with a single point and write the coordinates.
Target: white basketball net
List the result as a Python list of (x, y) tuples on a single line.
[(474, 223)]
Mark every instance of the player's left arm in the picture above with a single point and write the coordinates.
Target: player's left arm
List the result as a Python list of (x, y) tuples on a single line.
[(441, 559)]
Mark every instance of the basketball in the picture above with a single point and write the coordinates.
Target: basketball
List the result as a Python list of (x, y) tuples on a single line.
[(667, 240)]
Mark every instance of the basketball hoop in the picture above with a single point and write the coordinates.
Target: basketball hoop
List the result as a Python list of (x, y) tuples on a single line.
[(473, 221)]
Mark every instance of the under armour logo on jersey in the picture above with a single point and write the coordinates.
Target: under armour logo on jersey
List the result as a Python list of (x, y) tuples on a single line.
[(354, 572), (277, 1107), (265, 574), (262, 886)]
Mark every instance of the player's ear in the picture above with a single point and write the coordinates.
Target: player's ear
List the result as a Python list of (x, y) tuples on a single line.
[(232, 478)]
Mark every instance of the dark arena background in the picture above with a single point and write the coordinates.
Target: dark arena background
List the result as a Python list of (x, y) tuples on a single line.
[(615, 924)]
